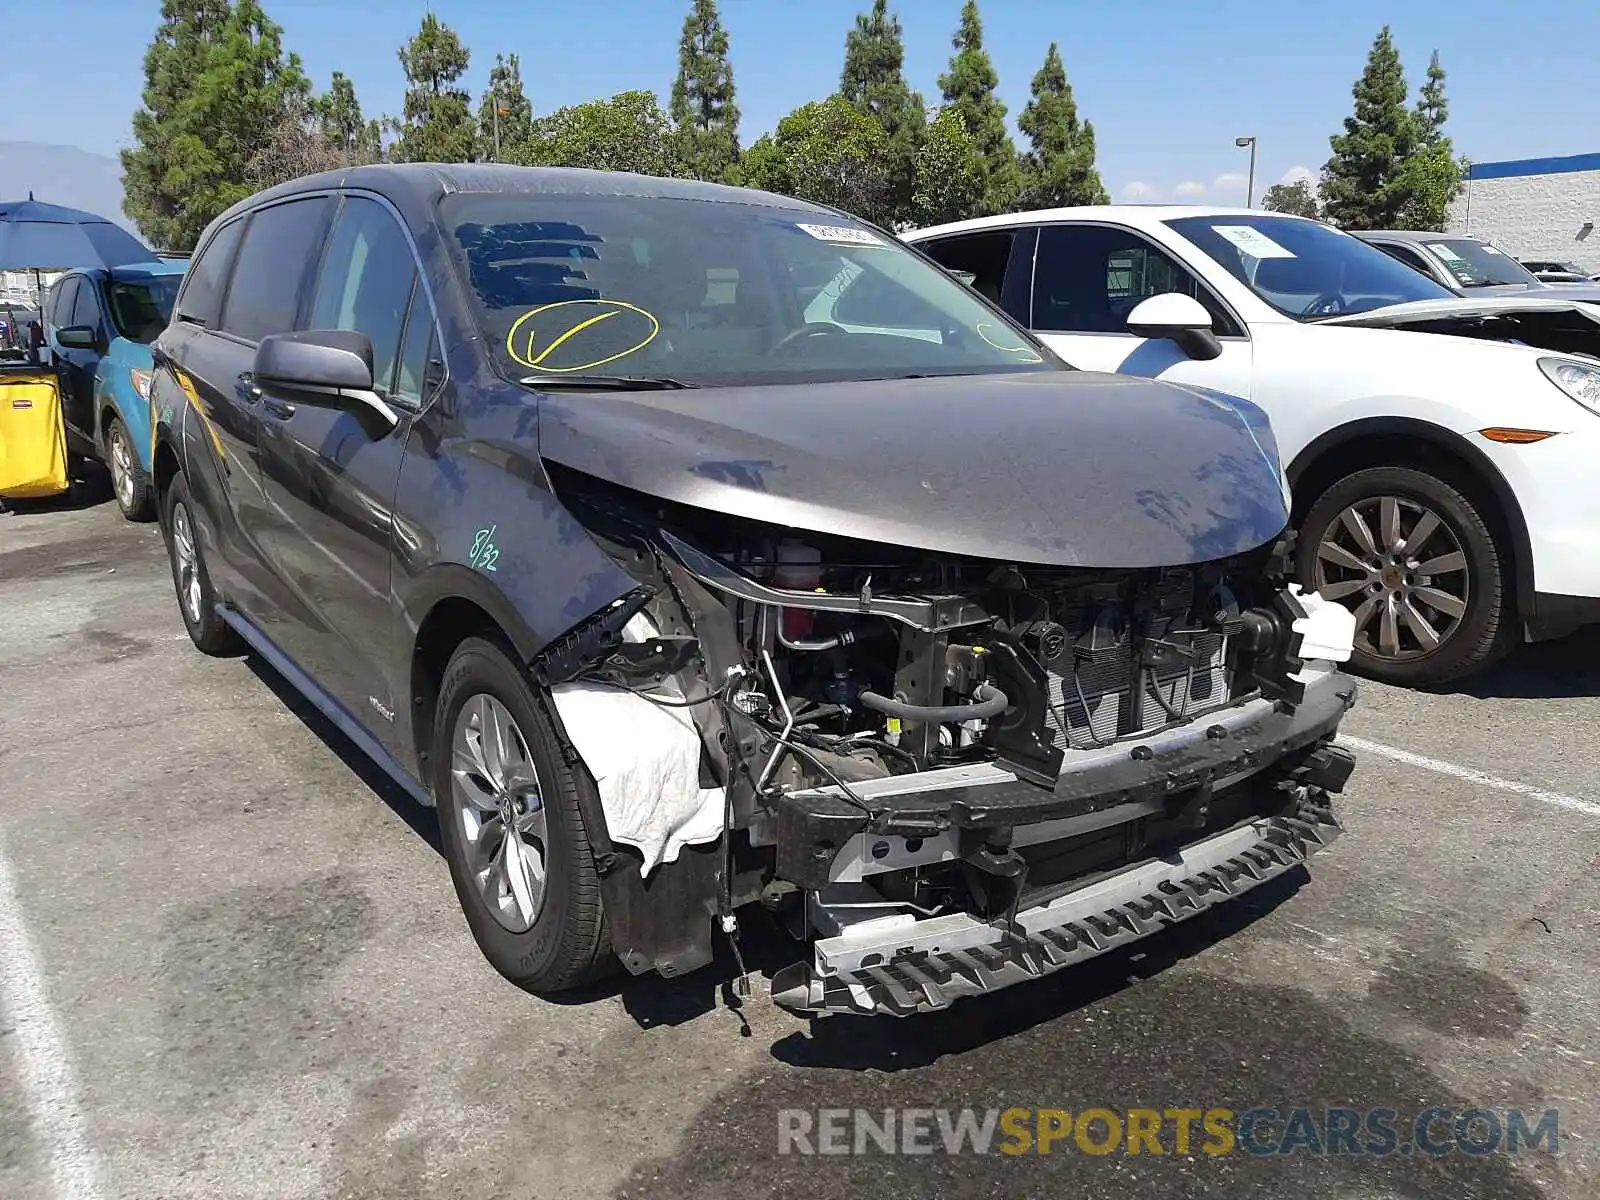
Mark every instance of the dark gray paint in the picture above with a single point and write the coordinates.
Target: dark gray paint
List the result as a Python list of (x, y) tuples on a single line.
[(1058, 468), (1053, 467)]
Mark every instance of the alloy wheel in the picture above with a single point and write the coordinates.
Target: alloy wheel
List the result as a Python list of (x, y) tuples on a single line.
[(498, 803), (188, 560), (1401, 568), (122, 467)]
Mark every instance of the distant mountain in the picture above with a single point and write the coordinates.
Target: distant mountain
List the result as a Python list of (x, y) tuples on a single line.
[(63, 175)]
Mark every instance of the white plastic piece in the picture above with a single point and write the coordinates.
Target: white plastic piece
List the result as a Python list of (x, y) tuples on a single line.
[(645, 759), (1327, 631)]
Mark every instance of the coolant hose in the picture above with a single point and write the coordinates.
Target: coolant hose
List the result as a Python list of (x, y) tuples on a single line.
[(991, 702)]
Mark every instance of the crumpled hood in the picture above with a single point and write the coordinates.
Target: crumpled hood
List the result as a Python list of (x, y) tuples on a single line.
[(1060, 468), (1398, 316)]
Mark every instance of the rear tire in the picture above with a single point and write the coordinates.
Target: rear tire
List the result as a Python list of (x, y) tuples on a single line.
[(197, 601), (532, 901), (1414, 557), (129, 483)]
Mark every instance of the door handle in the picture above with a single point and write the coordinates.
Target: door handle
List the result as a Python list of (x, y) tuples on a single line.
[(274, 407), (246, 390)]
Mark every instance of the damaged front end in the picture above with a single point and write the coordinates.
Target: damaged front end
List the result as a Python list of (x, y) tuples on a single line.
[(947, 773)]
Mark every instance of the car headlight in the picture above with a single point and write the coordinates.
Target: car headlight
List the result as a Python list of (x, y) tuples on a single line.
[(141, 382), (1580, 380)]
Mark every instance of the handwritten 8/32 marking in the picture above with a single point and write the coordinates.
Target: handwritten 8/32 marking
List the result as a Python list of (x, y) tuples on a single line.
[(484, 554)]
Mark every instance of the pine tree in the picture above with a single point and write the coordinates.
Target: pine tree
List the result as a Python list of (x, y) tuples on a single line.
[(1365, 184), (217, 85), (512, 124), (873, 80), (342, 123), (1432, 108), (704, 115), (1432, 174), (969, 87), (437, 125), (1058, 169)]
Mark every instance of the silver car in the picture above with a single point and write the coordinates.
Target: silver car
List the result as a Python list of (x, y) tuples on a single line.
[(1467, 266)]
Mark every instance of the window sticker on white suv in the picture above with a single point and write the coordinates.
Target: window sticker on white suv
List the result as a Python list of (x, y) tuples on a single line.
[(1252, 241), (843, 235)]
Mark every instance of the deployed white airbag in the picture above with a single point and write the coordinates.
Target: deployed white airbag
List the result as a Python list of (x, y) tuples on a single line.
[(645, 759)]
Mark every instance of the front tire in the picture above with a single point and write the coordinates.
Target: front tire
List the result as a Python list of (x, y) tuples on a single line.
[(531, 897), (197, 600), (1415, 559), (129, 483)]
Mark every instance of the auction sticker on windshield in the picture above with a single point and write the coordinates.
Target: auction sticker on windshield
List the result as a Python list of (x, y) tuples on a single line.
[(1443, 250), (1252, 241), (843, 235)]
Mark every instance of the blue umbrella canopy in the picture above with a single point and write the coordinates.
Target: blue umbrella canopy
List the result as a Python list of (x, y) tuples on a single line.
[(35, 236)]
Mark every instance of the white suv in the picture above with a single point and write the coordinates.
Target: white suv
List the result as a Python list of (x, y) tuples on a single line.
[(1444, 452)]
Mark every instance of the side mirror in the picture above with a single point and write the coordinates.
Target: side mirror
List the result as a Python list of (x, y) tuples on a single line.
[(331, 365), (78, 337), (1180, 319)]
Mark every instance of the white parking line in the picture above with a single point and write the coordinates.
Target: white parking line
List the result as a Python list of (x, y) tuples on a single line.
[(40, 1049), (1469, 775)]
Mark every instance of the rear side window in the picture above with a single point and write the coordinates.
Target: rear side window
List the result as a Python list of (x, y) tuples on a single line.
[(62, 299), (981, 255), (280, 250), (207, 279), (86, 309), (366, 283)]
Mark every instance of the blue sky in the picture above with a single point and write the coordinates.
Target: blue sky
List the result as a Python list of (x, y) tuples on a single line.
[(1168, 84)]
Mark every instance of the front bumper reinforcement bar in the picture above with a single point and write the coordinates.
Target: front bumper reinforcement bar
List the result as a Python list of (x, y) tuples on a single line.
[(929, 965)]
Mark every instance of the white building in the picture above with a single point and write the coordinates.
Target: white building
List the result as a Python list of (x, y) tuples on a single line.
[(1534, 208)]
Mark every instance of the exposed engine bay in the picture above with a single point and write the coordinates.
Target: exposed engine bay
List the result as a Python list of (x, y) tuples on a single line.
[(1544, 320), (902, 737)]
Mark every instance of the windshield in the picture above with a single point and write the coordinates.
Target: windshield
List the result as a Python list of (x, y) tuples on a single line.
[(1304, 268), (715, 294), (141, 308), (1477, 264)]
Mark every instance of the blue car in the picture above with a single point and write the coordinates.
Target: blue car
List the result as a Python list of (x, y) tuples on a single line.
[(100, 323)]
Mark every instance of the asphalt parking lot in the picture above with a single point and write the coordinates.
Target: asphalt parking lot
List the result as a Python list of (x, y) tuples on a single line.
[(231, 963)]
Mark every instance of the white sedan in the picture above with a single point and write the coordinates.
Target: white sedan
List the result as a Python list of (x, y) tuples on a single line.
[(1444, 452)]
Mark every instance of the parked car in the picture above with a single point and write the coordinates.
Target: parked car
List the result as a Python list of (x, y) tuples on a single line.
[(1558, 271), (544, 487), (1444, 485), (1465, 265), (99, 325)]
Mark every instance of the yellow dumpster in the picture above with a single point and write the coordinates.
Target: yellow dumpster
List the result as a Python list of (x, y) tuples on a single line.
[(33, 436)]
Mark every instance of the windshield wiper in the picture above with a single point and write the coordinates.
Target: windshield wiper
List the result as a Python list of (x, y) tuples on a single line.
[(608, 383)]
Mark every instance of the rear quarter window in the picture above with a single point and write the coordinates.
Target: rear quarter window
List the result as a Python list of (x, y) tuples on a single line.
[(280, 250), (207, 280)]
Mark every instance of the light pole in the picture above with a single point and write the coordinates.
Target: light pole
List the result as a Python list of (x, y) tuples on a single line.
[(1250, 187)]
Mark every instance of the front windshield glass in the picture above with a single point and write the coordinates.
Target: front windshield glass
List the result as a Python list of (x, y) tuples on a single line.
[(1476, 264), (715, 294), (141, 308), (1304, 268)]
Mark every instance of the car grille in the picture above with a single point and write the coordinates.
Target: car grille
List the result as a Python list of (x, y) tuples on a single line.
[(1105, 699)]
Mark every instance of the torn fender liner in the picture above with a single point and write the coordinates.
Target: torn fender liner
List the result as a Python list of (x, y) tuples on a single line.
[(645, 760)]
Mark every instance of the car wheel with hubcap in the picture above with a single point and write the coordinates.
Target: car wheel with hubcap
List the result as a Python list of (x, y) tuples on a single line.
[(197, 602), (129, 483), (1413, 557), (511, 825)]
